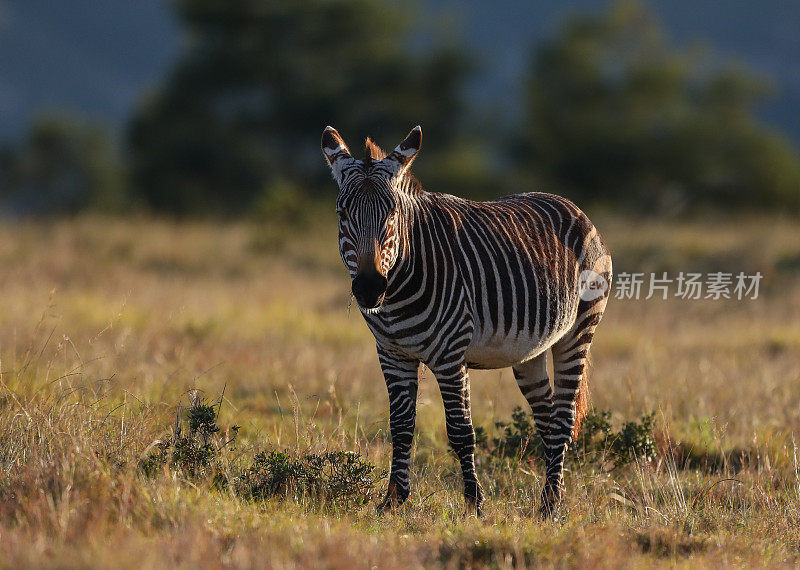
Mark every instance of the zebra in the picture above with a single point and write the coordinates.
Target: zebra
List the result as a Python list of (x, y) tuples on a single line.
[(456, 284)]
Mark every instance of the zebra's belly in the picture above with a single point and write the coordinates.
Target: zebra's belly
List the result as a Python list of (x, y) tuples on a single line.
[(497, 352)]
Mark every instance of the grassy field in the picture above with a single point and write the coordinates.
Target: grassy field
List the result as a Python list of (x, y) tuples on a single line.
[(107, 325)]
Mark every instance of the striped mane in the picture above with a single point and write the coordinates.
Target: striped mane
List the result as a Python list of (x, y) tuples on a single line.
[(372, 151)]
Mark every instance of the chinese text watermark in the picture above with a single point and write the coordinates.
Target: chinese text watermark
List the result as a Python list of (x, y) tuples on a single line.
[(714, 286)]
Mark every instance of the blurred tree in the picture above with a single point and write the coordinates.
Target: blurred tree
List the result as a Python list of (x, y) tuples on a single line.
[(63, 166), (259, 80), (615, 115)]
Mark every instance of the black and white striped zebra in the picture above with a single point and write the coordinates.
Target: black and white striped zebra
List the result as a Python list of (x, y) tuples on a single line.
[(456, 284)]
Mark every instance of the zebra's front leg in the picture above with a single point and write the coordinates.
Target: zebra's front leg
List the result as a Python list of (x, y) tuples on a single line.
[(401, 375), (453, 380)]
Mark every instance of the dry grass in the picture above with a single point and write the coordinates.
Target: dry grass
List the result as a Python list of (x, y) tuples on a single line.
[(107, 324)]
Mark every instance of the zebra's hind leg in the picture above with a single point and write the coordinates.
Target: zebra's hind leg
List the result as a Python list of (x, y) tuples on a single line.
[(570, 398), (534, 383), (453, 380)]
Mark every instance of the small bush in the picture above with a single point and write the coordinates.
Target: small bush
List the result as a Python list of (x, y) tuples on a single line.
[(195, 454), (517, 440), (596, 443), (599, 443), (635, 439), (334, 477), (337, 477)]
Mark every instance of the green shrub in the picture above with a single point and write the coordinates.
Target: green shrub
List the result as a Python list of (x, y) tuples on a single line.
[(517, 440), (597, 443), (195, 454), (336, 477)]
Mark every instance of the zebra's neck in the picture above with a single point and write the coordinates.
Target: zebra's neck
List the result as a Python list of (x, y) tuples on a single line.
[(423, 227), (407, 224)]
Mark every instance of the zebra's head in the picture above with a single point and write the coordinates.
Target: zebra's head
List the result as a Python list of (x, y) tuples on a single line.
[(371, 194)]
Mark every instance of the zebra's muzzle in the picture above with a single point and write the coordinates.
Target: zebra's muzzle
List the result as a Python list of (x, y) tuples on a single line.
[(369, 289)]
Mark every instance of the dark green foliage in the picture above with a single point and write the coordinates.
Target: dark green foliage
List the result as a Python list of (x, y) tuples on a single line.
[(243, 110), (340, 478), (179, 453), (62, 166), (517, 439), (615, 115), (337, 477), (195, 454), (597, 443), (635, 440), (203, 420)]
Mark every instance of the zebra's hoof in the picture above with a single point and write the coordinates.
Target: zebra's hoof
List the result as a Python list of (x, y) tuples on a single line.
[(547, 511), (386, 505), (551, 500), (551, 510), (474, 507), (391, 501)]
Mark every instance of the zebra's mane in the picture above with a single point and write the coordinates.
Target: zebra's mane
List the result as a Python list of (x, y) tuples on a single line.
[(373, 152)]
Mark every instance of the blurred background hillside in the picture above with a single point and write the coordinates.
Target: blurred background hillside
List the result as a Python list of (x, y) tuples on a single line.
[(215, 107)]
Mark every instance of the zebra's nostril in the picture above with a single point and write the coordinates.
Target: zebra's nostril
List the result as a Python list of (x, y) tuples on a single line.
[(368, 288)]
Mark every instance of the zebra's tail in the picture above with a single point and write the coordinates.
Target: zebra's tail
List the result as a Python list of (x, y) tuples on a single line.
[(582, 399)]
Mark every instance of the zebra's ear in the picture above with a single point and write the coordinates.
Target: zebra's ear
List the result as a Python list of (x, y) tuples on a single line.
[(335, 150), (405, 152)]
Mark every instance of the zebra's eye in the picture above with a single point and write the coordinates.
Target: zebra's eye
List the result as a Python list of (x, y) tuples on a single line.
[(342, 213)]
